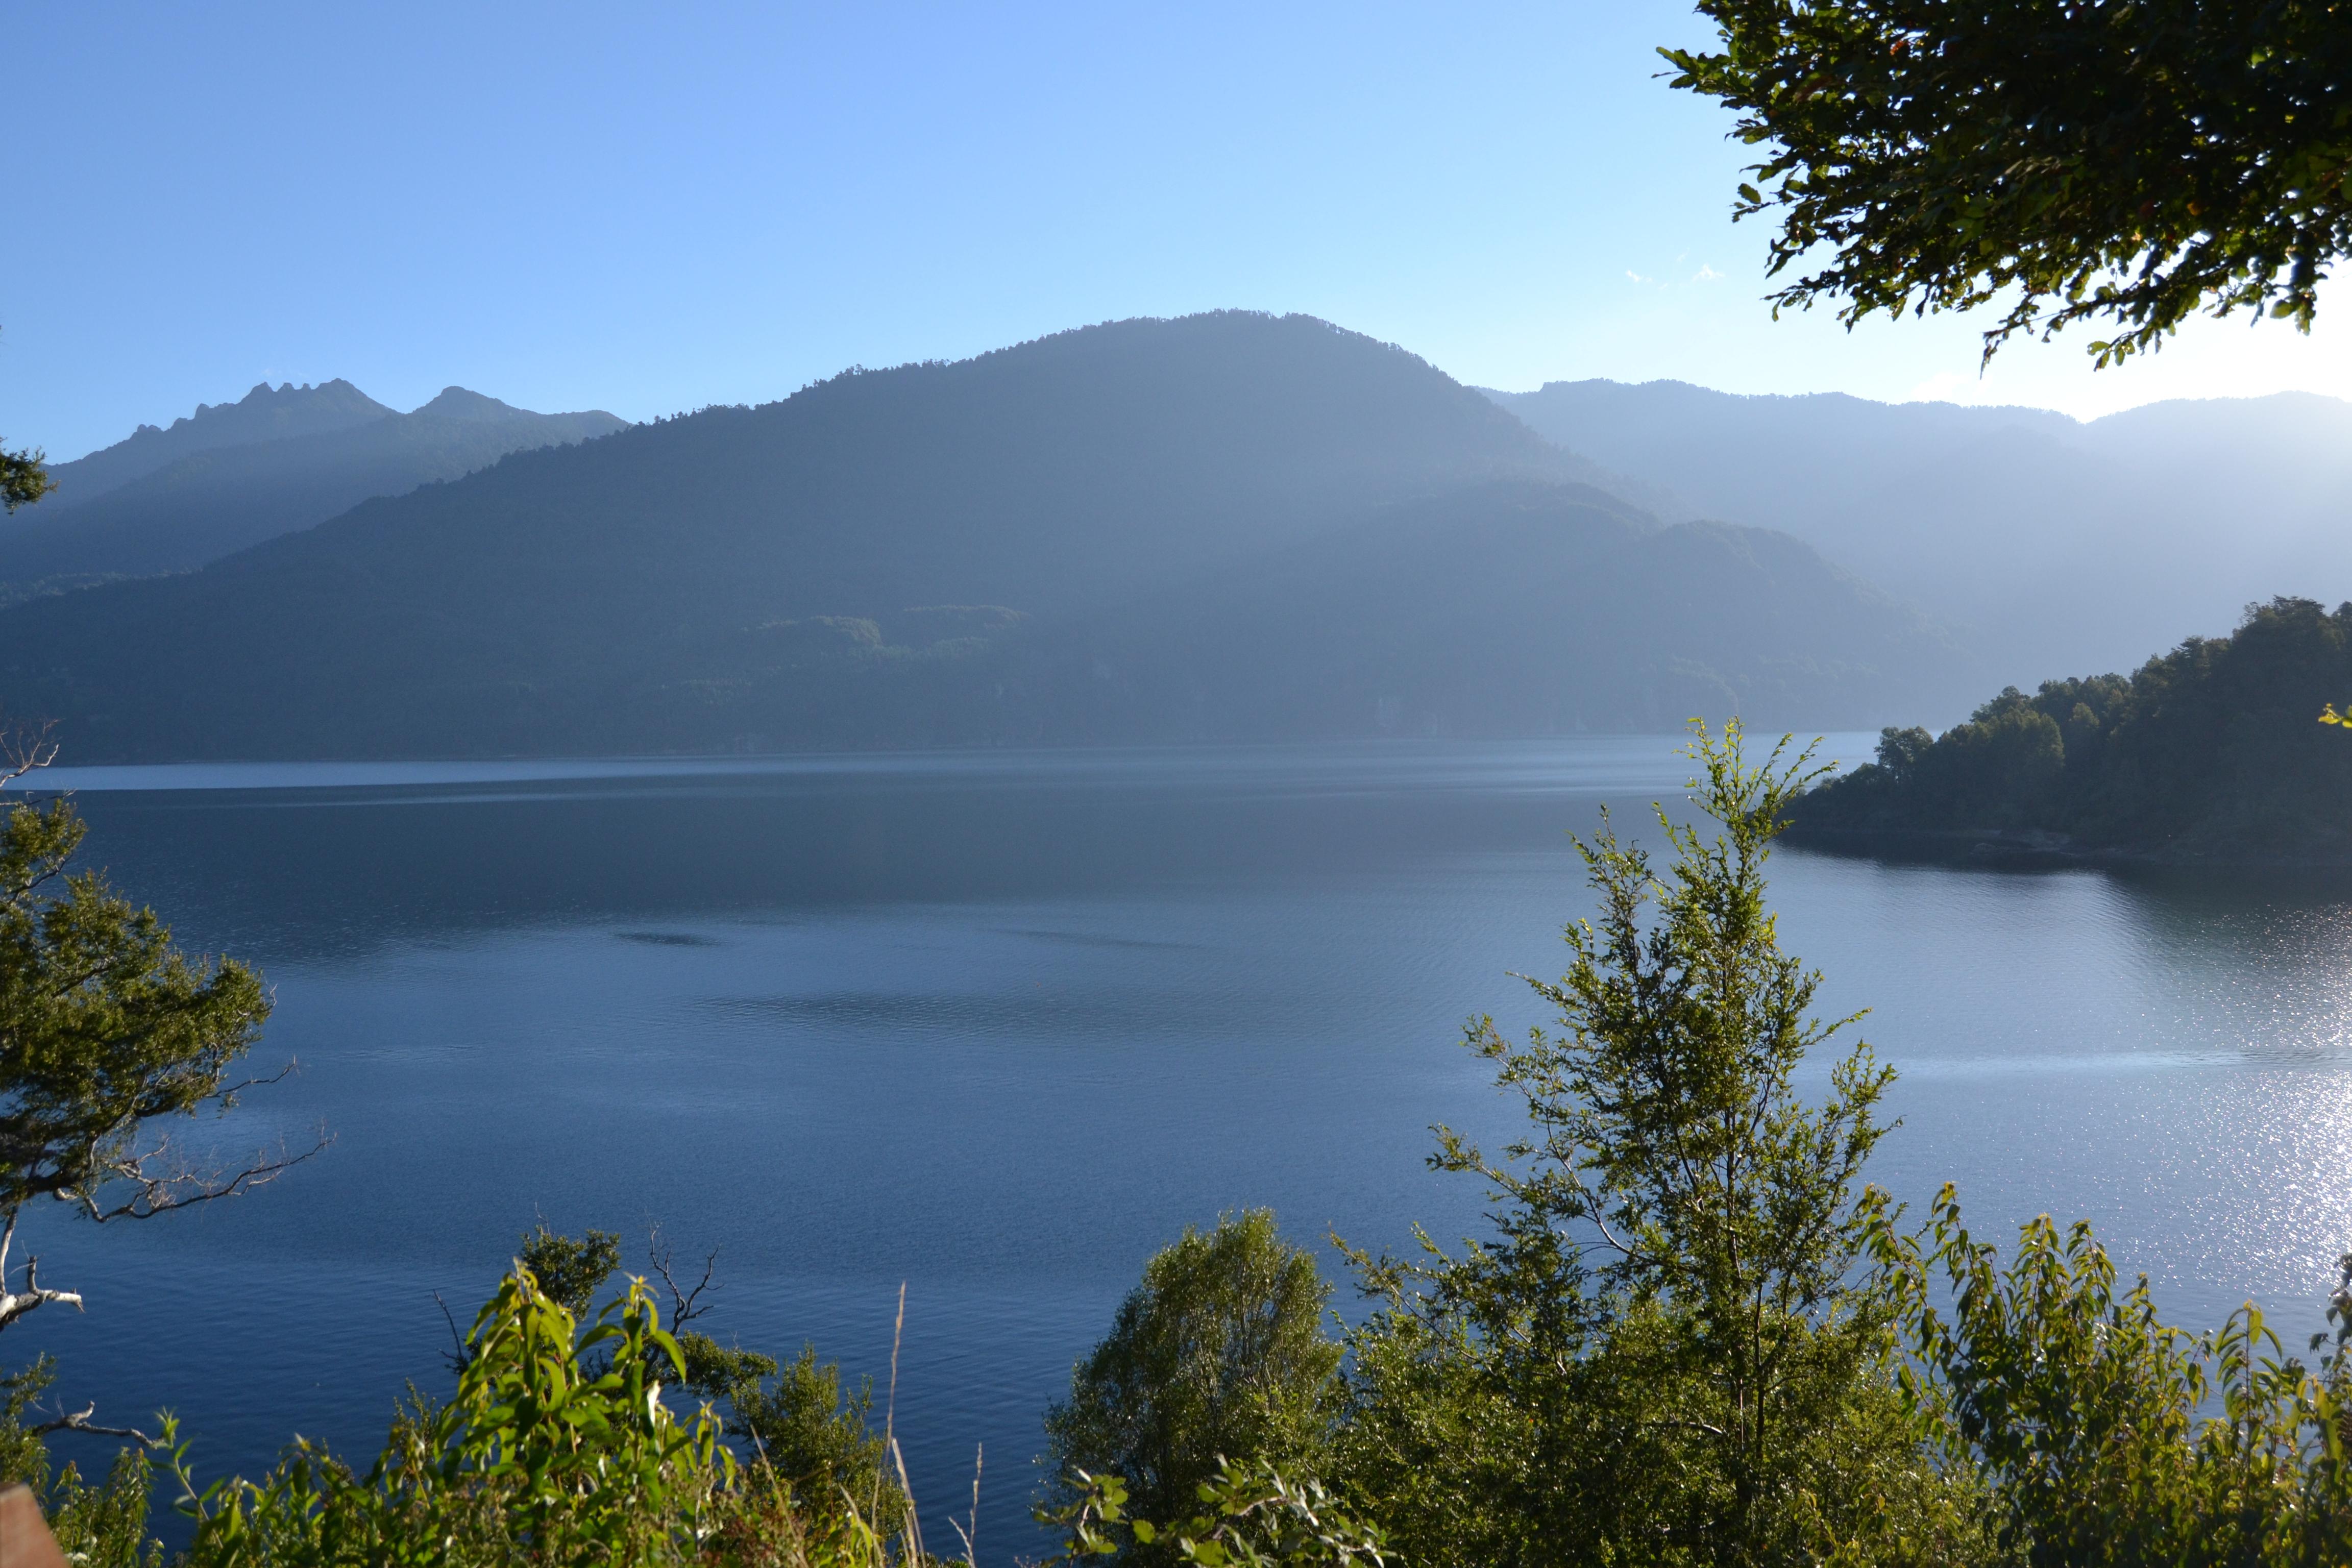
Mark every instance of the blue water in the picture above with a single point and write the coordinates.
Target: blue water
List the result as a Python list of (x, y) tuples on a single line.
[(996, 1026)]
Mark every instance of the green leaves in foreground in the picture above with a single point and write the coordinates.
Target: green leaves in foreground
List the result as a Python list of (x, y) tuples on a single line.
[(2128, 166), (2092, 1424), (541, 1457), (1250, 1517), (558, 1448)]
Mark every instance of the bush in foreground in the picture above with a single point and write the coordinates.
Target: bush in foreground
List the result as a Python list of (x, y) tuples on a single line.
[(1694, 1337)]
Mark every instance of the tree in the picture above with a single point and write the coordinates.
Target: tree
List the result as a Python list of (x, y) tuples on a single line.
[(1665, 1353), (571, 1271), (1219, 1354), (23, 479), (106, 1029), (2131, 161)]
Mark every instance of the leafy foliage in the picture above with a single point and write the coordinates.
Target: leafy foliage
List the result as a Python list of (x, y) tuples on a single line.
[(558, 1448), (570, 1270), (23, 478), (806, 1429), (2208, 748), (2078, 1408), (98, 1526), (802, 1429), (105, 1030), (1218, 1355), (104, 1027), (1250, 1517), (2126, 163), (1659, 1355)]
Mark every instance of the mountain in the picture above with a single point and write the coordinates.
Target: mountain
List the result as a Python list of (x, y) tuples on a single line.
[(1513, 609), (265, 414), (1224, 524), (2051, 543), (2210, 751), (170, 500)]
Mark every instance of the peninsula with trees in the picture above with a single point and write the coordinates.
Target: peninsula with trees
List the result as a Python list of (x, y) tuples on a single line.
[(2210, 752)]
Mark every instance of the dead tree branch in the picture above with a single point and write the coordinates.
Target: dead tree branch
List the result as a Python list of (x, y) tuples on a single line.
[(685, 1305), (160, 1192), (79, 1421), (25, 747), (15, 1304)]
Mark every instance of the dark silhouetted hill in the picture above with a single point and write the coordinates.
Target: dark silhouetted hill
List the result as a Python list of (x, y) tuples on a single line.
[(2050, 544), (1222, 525), (1515, 609), (171, 501)]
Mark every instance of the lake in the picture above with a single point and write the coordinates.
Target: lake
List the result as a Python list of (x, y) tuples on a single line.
[(997, 1026)]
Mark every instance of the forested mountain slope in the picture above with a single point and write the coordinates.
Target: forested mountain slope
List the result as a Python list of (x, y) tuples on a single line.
[(2211, 750), (1518, 609), (2050, 544), (1224, 524), (171, 501)]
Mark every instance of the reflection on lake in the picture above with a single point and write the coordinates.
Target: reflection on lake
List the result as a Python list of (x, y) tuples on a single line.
[(998, 1026)]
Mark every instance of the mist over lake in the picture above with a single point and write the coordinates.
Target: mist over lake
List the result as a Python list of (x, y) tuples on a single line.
[(998, 1024)]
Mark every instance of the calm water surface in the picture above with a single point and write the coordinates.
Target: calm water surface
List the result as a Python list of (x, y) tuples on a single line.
[(997, 1027)]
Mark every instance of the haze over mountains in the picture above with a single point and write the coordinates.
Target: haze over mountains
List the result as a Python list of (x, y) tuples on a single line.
[(235, 474), (1230, 525), (2052, 547), (1227, 526)]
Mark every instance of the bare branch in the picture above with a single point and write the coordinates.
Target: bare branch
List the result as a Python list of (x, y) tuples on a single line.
[(227, 1096), (459, 1359), (79, 1421), (25, 747), (685, 1305), (161, 1193), (15, 1304)]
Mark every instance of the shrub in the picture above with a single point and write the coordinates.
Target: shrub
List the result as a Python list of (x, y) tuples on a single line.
[(1218, 1355), (558, 1448)]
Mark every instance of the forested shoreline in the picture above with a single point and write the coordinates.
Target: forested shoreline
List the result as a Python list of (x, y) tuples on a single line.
[(2210, 752)]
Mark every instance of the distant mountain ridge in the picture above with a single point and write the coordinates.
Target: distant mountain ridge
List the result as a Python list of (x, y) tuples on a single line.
[(265, 414), (1230, 524), (2051, 544), (236, 474)]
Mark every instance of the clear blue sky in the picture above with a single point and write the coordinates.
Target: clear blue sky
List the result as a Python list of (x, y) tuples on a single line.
[(651, 208)]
